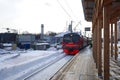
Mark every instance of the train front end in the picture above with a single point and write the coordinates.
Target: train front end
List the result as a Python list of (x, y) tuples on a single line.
[(71, 43)]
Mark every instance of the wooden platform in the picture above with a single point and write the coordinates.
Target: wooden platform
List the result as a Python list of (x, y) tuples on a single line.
[(81, 67)]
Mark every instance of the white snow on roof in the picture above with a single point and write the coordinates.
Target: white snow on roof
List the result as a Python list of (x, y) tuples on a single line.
[(42, 43), (62, 34), (7, 44)]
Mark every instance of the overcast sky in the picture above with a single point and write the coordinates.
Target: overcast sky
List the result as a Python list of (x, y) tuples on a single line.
[(28, 15)]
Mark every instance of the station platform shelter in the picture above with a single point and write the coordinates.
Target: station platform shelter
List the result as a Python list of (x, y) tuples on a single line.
[(104, 15)]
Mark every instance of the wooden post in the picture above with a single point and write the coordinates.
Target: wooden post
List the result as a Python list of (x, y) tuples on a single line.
[(97, 42), (116, 55), (96, 46), (93, 38), (111, 39), (99, 50), (106, 42)]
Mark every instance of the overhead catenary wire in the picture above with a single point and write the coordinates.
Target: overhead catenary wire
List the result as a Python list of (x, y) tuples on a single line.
[(68, 13), (64, 9), (70, 8)]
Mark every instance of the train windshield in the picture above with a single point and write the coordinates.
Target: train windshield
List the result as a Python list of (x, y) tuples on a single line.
[(71, 38)]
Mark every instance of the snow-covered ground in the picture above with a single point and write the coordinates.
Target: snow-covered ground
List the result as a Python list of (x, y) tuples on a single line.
[(15, 63)]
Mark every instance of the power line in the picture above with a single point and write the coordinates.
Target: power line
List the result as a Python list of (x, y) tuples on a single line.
[(64, 9), (70, 8), (68, 13), (73, 15)]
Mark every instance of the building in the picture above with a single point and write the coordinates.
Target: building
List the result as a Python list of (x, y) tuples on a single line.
[(8, 37), (25, 40)]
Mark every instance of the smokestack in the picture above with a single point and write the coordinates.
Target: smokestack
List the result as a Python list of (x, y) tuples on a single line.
[(70, 27), (42, 31)]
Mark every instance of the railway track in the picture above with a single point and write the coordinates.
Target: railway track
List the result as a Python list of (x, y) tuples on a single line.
[(27, 71), (42, 67)]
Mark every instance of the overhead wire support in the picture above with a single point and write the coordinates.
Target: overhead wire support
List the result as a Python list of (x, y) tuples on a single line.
[(67, 12), (77, 25)]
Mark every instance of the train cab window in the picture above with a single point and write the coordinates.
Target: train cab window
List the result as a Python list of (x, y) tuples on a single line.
[(67, 39), (75, 38), (71, 38)]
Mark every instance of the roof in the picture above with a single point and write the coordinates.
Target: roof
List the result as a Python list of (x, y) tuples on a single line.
[(92, 8), (88, 6), (62, 34)]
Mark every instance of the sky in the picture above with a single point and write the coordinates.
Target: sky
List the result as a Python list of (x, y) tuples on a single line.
[(28, 15)]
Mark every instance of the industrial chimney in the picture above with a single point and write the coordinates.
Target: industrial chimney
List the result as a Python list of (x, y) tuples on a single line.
[(70, 27), (42, 32)]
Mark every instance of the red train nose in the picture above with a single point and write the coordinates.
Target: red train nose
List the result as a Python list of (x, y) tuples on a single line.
[(70, 51)]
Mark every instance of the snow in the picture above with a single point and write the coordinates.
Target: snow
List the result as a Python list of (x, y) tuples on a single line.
[(62, 34), (24, 57), (20, 61), (49, 71), (7, 44), (8, 56), (42, 43)]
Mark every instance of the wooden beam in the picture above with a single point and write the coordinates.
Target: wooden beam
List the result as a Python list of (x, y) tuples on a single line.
[(107, 2), (106, 42), (89, 0), (93, 44), (112, 39), (99, 50), (114, 17), (96, 45), (116, 55)]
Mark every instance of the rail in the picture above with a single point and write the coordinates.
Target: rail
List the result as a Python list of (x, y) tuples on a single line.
[(47, 63)]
